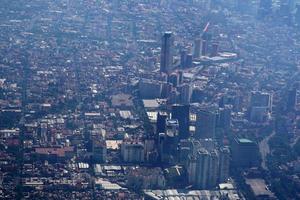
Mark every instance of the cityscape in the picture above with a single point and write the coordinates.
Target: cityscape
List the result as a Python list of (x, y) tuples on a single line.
[(150, 99)]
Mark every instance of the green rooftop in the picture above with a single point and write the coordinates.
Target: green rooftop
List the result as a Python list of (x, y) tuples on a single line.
[(244, 140)]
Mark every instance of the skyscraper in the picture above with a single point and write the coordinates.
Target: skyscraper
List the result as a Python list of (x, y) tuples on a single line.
[(166, 56), (202, 169), (197, 48), (204, 47), (161, 122), (182, 114), (265, 8), (245, 153), (291, 99), (206, 124), (183, 55), (185, 93), (224, 164), (260, 106)]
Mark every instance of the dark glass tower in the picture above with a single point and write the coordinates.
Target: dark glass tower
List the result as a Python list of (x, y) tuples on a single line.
[(182, 114), (166, 56)]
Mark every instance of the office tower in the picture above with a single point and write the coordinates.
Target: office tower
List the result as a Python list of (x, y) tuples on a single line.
[(173, 98), (197, 48), (184, 152), (297, 15), (225, 117), (261, 99), (183, 55), (44, 132), (215, 49), (161, 146), (168, 142), (185, 93), (288, 5), (202, 169), (206, 167), (197, 95), (161, 122), (172, 127), (132, 152), (264, 8), (180, 75), (245, 153), (224, 164), (291, 99), (99, 150), (204, 47), (166, 56), (192, 169), (205, 124), (213, 175), (189, 61), (166, 89), (260, 106), (182, 114), (173, 79), (150, 89)]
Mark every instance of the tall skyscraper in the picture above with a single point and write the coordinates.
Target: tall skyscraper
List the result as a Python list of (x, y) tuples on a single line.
[(182, 114), (224, 120), (202, 169), (161, 122), (265, 8), (197, 48), (291, 99), (206, 124), (183, 55), (185, 93), (166, 56), (260, 106), (204, 47), (215, 49), (206, 167), (189, 61), (213, 169), (245, 153), (224, 164)]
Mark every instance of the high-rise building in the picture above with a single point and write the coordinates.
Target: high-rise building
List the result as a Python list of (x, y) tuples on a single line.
[(245, 153), (205, 124), (197, 48), (161, 122), (206, 167), (99, 150), (189, 61), (264, 8), (291, 99), (183, 54), (44, 132), (182, 114), (224, 164), (215, 49), (261, 99), (202, 169), (185, 93), (204, 47), (150, 89), (213, 175), (224, 120), (166, 56), (168, 142), (132, 152), (173, 78), (297, 15), (260, 106)]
